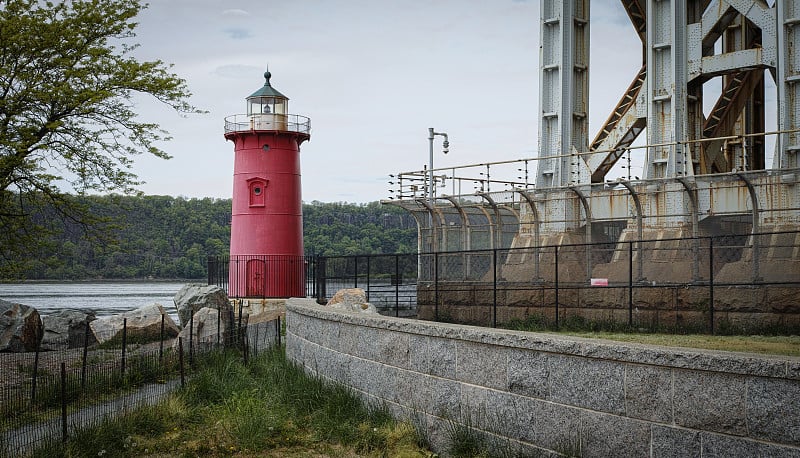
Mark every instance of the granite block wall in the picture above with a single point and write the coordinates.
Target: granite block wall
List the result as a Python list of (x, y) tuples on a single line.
[(542, 394)]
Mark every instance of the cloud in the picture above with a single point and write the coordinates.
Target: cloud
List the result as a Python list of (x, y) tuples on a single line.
[(235, 12), (238, 33)]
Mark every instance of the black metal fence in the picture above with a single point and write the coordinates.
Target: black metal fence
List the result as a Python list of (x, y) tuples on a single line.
[(683, 284), (264, 276), (730, 283), (389, 281), (45, 396), (726, 283)]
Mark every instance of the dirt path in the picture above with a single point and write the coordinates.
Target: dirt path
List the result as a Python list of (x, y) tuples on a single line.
[(22, 441)]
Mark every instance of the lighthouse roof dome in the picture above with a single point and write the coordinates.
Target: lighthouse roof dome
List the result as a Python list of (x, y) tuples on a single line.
[(267, 90)]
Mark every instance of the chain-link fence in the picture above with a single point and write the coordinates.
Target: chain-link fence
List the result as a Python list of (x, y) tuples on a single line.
[(731, 283), (46, 396)]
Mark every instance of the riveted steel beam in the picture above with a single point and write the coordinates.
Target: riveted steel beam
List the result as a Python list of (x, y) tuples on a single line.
[(587, 209), (537, 222), (639, 229), (756, 239), (691, 193), (563, 90)]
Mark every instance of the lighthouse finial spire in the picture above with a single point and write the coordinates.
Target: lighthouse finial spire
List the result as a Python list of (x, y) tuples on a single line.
[(267, 76)]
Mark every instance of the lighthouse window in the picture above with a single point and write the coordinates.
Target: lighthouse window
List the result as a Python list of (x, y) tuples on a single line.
[(257, 192)]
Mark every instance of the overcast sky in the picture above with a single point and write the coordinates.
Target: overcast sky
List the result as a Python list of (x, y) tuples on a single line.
[(372, 76)]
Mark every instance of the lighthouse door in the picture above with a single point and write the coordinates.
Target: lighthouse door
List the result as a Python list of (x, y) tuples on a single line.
[(256, 278)]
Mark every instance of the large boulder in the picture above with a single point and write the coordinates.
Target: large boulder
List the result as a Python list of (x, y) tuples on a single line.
[(144, 325), (20, 327), (353, 300), (66, 329), (194, 296), (204, 329), (259, 310)]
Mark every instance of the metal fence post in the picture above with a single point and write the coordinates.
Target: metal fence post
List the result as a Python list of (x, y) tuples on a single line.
[(319, 274), (191, 331), (180, 361), (367, 288), (85, 358), (711, 283), (355, 271), (161, 341), (396, 285), (239, 326), (64, 402), (494, 288), (35, 373), (124, 342), (630, 283), (556, 278), (436, 286)]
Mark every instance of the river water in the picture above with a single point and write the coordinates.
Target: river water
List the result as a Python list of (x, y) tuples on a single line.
[(105, 298)]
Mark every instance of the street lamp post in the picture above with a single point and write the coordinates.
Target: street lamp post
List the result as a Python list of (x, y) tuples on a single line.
[(445, 150)]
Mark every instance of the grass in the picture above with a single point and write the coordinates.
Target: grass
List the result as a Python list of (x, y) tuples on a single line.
[(768, 342), (268, 407), (769, 345), (101, 384)]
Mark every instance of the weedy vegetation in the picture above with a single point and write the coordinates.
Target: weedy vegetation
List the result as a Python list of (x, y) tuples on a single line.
[(268, 407)]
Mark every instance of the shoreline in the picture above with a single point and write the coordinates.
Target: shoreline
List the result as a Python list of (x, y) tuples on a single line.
[(108, 280)]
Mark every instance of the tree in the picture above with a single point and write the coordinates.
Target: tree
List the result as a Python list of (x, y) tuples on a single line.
[(68, 82)]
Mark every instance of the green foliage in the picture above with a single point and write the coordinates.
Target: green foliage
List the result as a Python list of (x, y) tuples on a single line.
[(68, 90), (172, 237), (339, 229), (267, 408)]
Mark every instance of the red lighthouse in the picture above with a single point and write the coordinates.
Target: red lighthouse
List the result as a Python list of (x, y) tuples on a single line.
[(267, 219)]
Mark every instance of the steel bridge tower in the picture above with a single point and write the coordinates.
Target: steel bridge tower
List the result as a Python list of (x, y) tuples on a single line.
[(704, 174), (685, 44)]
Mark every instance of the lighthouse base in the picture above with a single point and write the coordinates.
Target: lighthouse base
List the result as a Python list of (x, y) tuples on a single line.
[(267, 276)]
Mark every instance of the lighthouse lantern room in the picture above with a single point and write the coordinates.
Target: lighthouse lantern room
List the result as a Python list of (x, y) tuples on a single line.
[(267, 219)]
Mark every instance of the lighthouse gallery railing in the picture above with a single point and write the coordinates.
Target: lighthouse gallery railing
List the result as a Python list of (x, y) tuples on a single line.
[(268, 122)]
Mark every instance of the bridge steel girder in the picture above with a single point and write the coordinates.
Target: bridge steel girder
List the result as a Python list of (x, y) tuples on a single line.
[(435, 217), (497, 226), (788, 82), (563, 91), (587, 209), (416, 210), (537, 222), (691, 193), (754, 229), (666, 93), (639, 229), (465, 236)]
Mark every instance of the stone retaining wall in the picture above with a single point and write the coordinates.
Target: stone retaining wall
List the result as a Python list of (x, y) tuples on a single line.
[(541, 394), (751, 308)]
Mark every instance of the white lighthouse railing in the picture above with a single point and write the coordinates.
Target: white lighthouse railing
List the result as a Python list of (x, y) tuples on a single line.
[(269, 122)]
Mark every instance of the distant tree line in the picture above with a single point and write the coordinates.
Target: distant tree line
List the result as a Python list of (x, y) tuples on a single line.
[(164, 237)]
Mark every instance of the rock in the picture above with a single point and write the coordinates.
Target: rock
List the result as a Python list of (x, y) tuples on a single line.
[(352, 299), (260, 310), (20, 327), (194, 296), (205, 329), (144, 325), (66, 329)]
